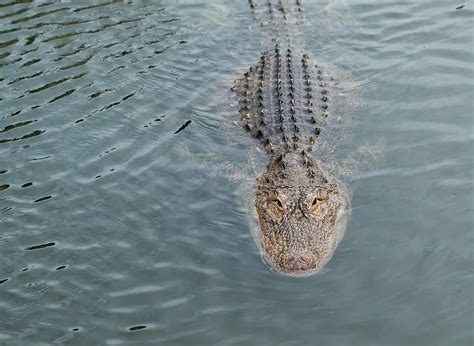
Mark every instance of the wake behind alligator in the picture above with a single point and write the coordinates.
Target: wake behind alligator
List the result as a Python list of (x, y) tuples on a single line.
[(283, 100)]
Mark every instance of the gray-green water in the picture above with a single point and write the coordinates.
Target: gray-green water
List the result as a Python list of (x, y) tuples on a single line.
[(116, 230)]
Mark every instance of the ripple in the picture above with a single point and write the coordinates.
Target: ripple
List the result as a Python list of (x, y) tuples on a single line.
[(73, 51), (113, 104), (29, 135), (39, 15), (14, 126), (14, 13), (64, 94), (98, 93), (85, 8), (134, 328), (40, 246), (42, 199), (76, 64), (182, 127), (8, 43), (54, 83), (31, 62)]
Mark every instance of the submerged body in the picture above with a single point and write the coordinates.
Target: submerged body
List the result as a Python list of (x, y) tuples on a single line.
[(301, 208)]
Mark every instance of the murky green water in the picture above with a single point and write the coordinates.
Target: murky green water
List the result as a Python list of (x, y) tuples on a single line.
[(114, 229)]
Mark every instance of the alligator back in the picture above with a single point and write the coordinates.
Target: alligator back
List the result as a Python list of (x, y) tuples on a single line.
[(283, 100)]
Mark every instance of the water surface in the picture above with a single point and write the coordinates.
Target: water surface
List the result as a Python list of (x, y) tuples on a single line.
[(122, 217)]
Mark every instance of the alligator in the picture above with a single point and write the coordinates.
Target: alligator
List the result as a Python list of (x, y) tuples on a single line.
[(301, 207)]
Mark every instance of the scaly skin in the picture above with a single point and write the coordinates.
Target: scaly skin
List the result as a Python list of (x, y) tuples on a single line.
[(284, 104), (302, 214)]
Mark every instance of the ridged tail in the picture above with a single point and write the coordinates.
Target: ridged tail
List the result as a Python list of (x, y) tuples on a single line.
[(276, 11), (283, 98)]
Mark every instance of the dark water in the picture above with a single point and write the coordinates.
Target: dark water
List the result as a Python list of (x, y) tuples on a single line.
[(117, 228)]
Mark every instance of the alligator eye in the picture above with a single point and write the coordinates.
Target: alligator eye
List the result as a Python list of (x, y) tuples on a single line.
[(278, 203), (275, 202), (317, 202)]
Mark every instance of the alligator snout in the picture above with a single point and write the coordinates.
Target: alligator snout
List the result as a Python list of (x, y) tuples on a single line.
[(295, 264)]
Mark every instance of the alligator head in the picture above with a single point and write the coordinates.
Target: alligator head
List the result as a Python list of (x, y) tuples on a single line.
[(302, 215)]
